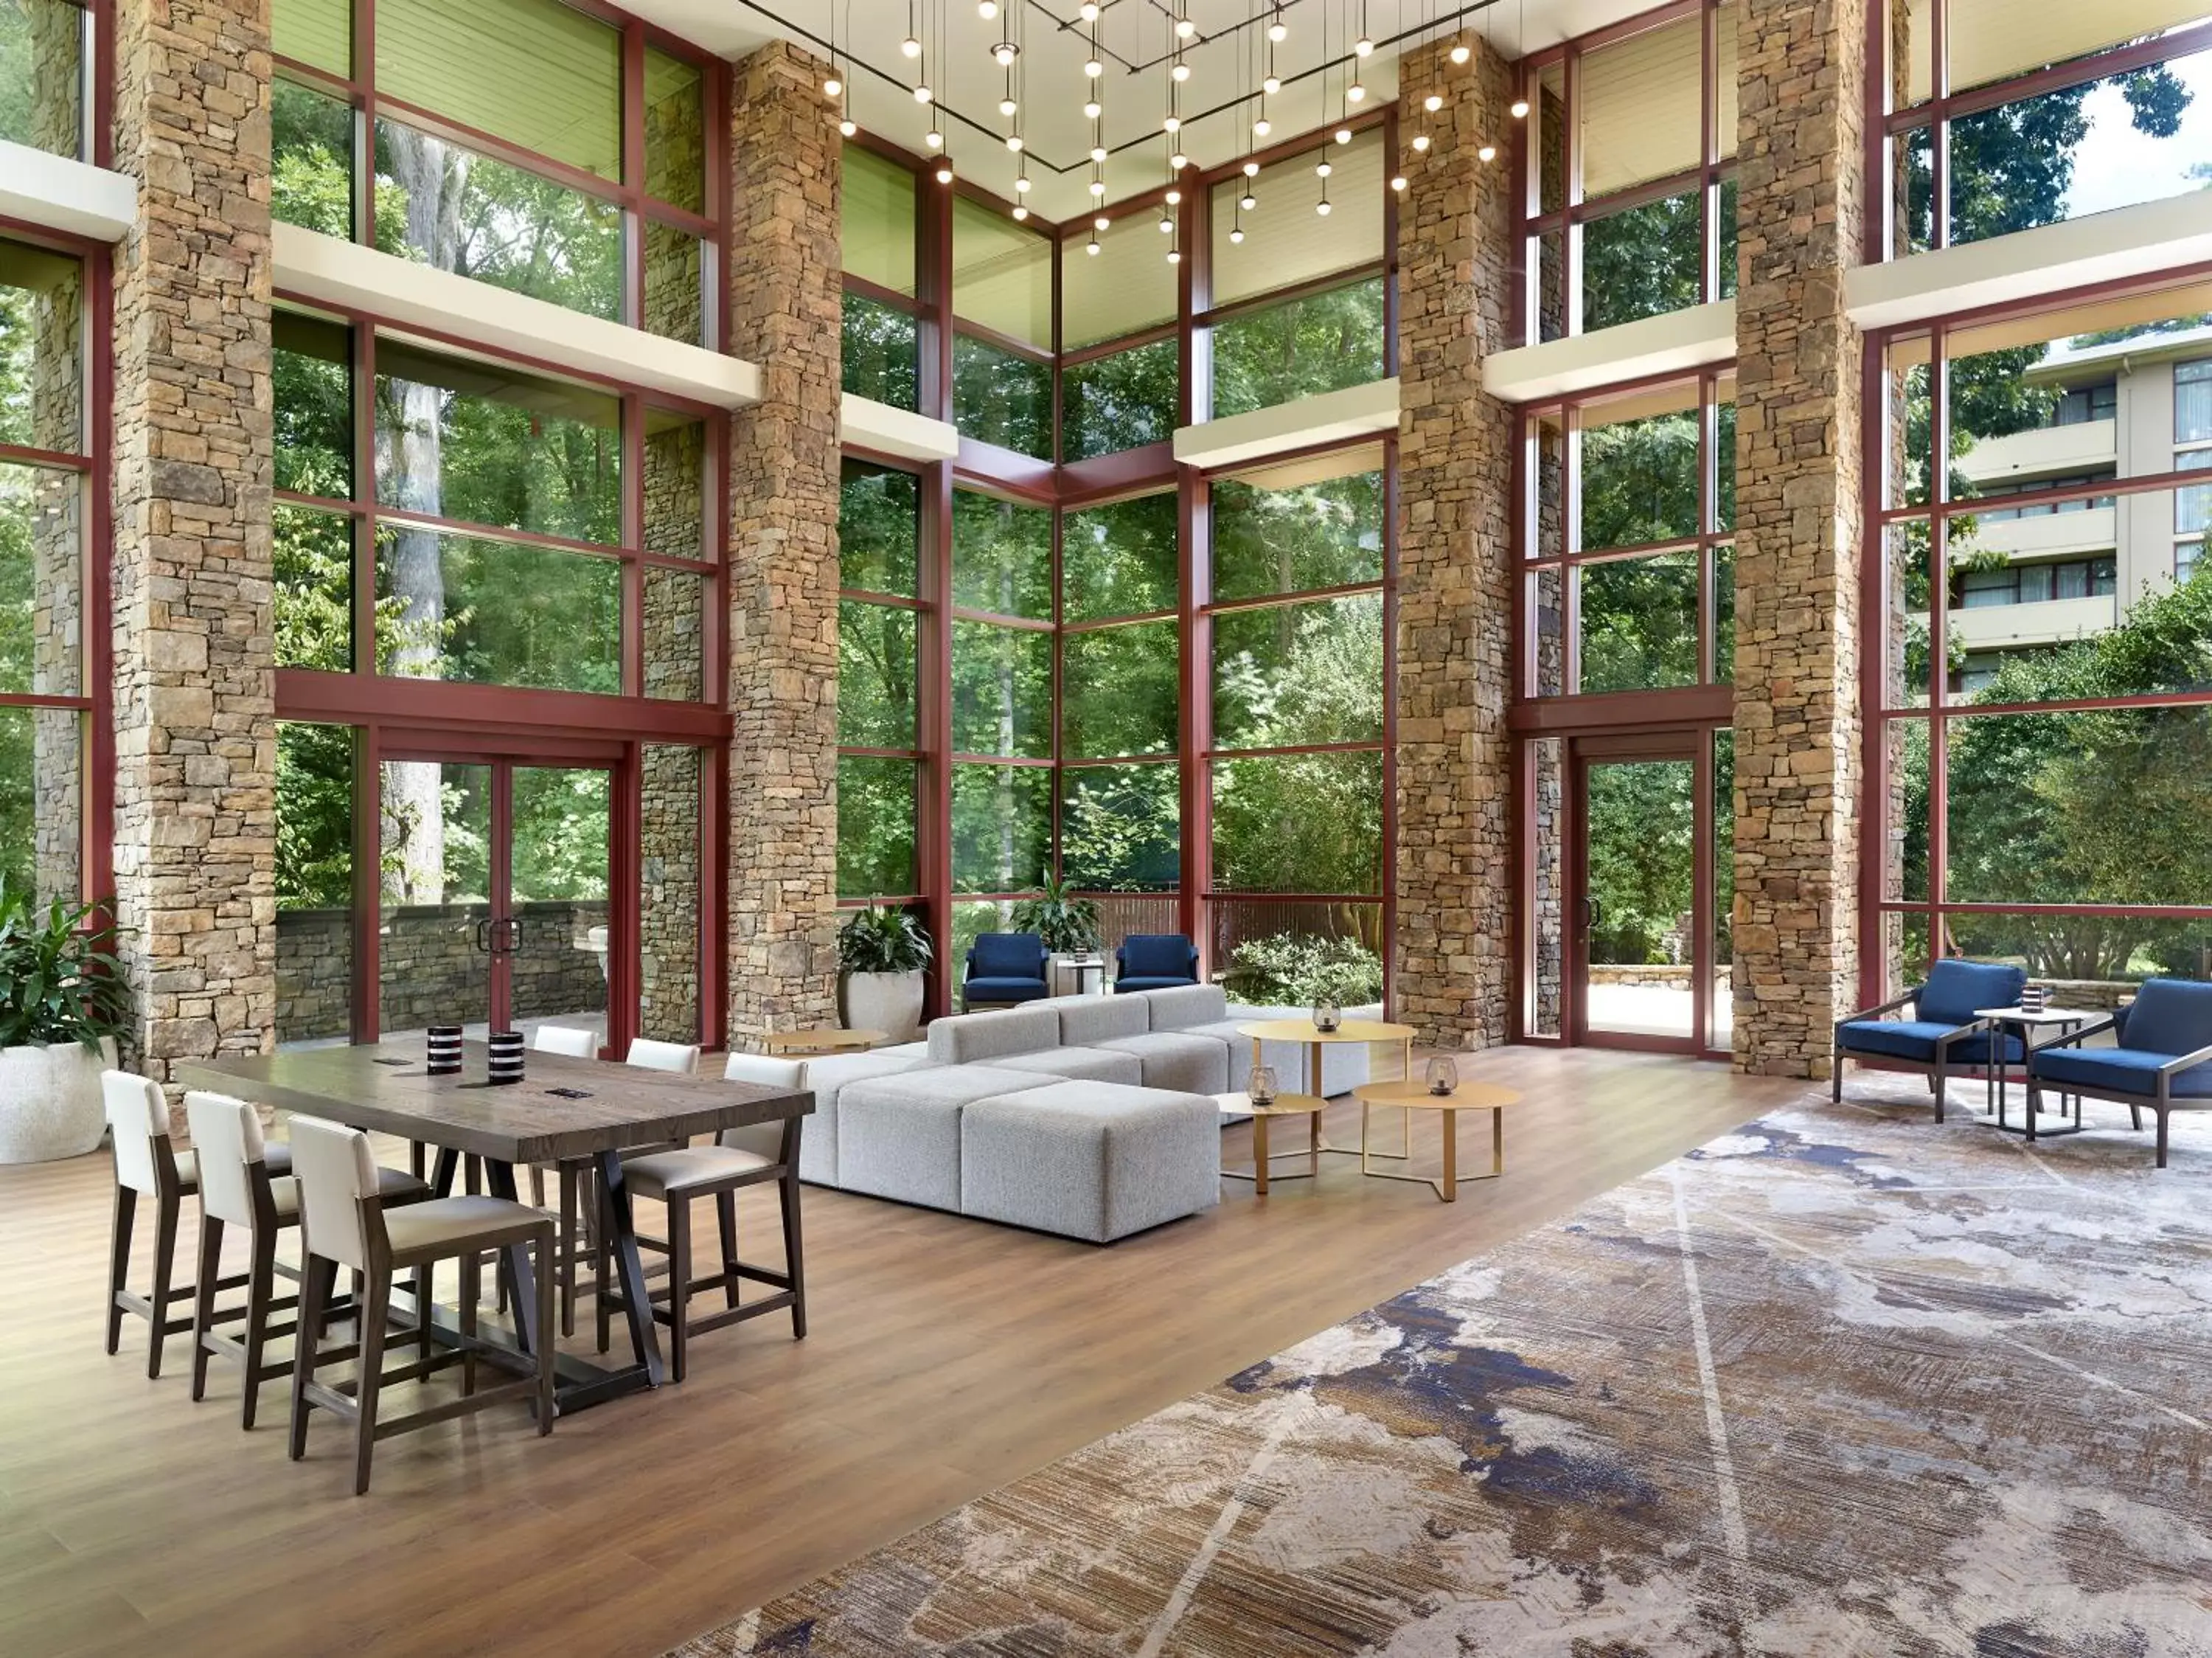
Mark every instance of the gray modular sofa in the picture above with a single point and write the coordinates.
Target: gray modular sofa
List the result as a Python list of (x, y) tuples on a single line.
[(1091, 1116)]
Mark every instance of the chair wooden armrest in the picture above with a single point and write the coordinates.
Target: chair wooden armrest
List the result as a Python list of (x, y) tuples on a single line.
[(2093, 1027)]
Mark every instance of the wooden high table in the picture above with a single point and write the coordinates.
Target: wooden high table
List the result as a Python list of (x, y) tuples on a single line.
[(563, 1108)]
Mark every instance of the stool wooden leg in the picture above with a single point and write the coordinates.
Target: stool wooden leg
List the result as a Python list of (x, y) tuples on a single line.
[(118, 1262), (260, 1290), (567, 1250), (602, 1302), (725, 1214), (549, 1244), (314, 1290), (472, 1293), (203, 1300), (375, 1309), (424, 1280), (679, 1279), (795, 1253), (168, 1210)]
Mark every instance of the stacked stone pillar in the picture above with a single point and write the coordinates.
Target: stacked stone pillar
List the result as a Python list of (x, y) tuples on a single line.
[(195, 661), (1454, 794), (785, 308), (1799, 364)]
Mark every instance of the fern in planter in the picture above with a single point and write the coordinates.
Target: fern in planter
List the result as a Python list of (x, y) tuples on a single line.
[(59, 979), (878, 940), (1068, 925)]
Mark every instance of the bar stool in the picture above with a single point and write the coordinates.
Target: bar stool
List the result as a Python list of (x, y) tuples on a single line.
[(572, 1173), (147, 1165), (740, 1157), (647, 1054), (343, 1224), (236, 1189)]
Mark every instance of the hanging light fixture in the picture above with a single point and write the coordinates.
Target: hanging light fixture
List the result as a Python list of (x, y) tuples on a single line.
[(1520, 47), (1397, 181), (987, 9), (1278, 30), (1460, 54), (911, 46)]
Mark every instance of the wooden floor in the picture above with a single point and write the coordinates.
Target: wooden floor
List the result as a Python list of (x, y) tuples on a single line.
[(948, 1357)]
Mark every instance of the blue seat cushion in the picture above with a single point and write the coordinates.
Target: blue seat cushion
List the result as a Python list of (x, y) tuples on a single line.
[(1005, 990), (1125, 984), (1168, 957), (2170, 1017), (2118, 1071), (1955, 989), (1916, 1038)]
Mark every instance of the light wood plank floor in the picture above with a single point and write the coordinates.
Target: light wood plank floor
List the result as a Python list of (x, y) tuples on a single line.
[(947, 1357)]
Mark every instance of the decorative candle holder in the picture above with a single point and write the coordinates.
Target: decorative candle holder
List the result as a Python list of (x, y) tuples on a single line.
[(506, 1063), (1261, 1089), (1327, 1016), (1443, 1076), (443, 1051), (2034, 999)]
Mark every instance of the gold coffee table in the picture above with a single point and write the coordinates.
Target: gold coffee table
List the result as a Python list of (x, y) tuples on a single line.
[(1412, 1095), (819, 1041), (1316, 1039), (1308, 1106)]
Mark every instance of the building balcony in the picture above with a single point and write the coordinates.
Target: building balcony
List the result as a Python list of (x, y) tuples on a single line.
[(2050, 535), (2021, 627), (2002, 463)]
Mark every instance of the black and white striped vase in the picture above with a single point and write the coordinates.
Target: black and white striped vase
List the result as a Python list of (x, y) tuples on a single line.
[(506, 1063), (444, 1050)]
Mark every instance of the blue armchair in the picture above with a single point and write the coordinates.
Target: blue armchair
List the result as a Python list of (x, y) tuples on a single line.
[(2160, 1058), (1004, 969), (1154, 961), (1943, 1034)]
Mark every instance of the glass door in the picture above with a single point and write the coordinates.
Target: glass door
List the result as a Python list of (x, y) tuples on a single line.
[(434, 888), (554, 950)]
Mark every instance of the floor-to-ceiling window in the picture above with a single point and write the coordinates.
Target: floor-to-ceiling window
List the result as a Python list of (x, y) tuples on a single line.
[(880, 623)]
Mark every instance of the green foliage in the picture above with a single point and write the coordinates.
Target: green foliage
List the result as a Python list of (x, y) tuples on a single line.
[(879, 940), (1300, 970), (1641, 833), (1118, 690), (875, 827), (1120, 559), (1119, 402), (882, 354), (1065, 922), (1120, 827), (1639, 622), (1325, 534), (1002, 398), (876, 688), (1320, 342), (60, 980), (879, 529), (1643, 261), (314, 817), (310, 149)]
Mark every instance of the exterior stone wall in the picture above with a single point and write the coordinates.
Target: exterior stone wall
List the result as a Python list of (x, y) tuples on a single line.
[(1800, 189), (785, 307), (669, 776), (194, 688), (1454, 870)]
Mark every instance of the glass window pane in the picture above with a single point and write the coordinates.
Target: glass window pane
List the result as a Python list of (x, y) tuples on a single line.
[(1641, 107), (540, 75), (42, 75), (1298, 823), (41, 355), (671, 778), (1274, 532), (2193, 402), (313, 556), (674, 485), (1120, 829), (1293, 953), (1001, 691), (877, 220), (673, 305), (41, 581), (1286, 240), (1639, 622), (558, 892), (1126, 287), (1001, 556), (1120, 559), (1991, 40), (1001, 828), (879, 528), (1643, 261), (1119, 402), (455, 211), (1118, 690), (315, 882), (998, 397), (485, 443), (875, 676), (1321, 343), (674, 634), (2089, 960), (317, 33), (496, 613), (42, 801), (1725, 75), (313, 377), (1724, 614), (1639, 469), (1292, 674), (1001, 274), (882, 352), (311, 159), (876, 828), (675, 131)]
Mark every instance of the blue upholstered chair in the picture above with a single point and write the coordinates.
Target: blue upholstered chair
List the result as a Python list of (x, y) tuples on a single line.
[(1943, 1035), (1154, 961), (2160, 1060), (1004, 969)]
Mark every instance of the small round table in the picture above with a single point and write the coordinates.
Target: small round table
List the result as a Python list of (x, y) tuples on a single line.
[(1081, 965), (819, 1041), (1410, 1096), (1308, 1106), (2065, 1021), (1314, 1038)]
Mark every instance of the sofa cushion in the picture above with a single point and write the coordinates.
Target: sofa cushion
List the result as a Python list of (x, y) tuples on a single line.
[(1956, 988), (1164, 958), (828, 1075), (899, 1136), (1186, 1006), (2118, 1070), (1094, 1064), (1181, 1060), (1090, 1159), (1091, 1021), (1007, 955), (2170, 1017), (1002, 989), (1133, 985), (1915, 1039), (971, 1038)]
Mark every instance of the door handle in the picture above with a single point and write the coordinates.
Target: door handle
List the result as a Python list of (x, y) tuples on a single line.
[(507, 937), (1593, 914), (483, 937)]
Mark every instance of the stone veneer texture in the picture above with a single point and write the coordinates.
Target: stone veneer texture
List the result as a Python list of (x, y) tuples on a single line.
[(1455, 878), (1798, 523), (194, 716), (785, 306)]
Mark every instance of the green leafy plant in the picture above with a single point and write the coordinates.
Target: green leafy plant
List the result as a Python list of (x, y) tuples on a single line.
[(882, 940), (59, 979), (1065, 922), (1290, 971)]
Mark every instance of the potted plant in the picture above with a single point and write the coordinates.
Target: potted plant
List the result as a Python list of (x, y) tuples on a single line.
[(883, 952), (1068, 925), (63, 1002)]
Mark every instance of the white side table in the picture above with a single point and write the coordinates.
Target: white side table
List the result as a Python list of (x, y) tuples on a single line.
[(2056, 1020)]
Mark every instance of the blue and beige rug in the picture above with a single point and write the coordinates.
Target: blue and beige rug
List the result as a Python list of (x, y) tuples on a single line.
[(1842, 1382)]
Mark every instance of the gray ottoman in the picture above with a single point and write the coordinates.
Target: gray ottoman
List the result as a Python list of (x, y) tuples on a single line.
[(828, 1076), (1097, 1161), (899, 1136)]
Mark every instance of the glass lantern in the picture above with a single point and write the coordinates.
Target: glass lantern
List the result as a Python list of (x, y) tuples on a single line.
[(1261, 1089), (1327, 1016), (1443, 1076)]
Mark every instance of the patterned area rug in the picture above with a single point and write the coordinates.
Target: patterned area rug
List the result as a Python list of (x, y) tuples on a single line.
[(1842, 1382)]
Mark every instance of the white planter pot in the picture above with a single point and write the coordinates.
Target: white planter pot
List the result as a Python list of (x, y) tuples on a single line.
[(890, 1002), (49, 1102)]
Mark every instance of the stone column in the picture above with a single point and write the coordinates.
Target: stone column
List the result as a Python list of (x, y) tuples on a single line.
[(784, 308), (194, 686), (1454, 873), (1799, 362)]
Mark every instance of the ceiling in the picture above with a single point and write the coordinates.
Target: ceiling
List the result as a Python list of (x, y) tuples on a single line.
[(1135, 38)]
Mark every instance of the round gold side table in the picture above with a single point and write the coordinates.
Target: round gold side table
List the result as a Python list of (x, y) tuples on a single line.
[(1308, 1106), (1410, 1096), (819, 1041)]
